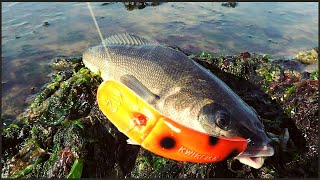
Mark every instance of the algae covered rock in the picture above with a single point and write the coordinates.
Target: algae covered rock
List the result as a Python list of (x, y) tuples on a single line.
[(51, 114), (308, 57), (229, 4), (63, 134), (266, 86)]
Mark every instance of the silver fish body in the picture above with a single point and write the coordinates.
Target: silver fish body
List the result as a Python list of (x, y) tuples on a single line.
[(176, 86)]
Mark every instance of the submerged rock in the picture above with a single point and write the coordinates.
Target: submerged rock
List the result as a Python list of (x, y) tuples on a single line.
[(229, 4), (64, 134), (140, 5), (45, 23)]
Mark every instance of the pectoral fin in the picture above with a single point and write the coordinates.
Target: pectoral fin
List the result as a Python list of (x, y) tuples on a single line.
[(135, 85)]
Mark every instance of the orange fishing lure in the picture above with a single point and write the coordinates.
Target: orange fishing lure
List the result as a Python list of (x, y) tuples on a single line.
[(153, 131)]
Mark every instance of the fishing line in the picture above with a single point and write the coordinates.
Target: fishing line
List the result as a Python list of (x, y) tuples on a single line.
[(98, 29)]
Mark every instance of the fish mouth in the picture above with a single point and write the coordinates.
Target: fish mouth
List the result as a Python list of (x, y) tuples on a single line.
[(254, 155)]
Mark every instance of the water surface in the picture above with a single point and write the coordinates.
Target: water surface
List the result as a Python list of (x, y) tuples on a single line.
[(34, 33)]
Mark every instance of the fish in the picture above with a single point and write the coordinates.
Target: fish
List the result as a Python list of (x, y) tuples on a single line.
[(181, 89)]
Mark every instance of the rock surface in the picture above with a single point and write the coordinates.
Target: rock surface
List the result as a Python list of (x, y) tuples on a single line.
[(308, 57), (64, 134)]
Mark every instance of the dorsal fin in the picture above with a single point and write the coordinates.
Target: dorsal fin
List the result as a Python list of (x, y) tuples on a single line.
[(128, 39)]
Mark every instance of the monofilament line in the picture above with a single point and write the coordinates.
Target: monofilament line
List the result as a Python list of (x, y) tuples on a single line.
[(98, 29)]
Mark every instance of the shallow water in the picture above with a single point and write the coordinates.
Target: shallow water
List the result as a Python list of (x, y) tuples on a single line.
[(28, 44)]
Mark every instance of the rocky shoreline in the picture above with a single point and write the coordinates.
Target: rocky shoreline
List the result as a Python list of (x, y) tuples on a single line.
[(63, 133)]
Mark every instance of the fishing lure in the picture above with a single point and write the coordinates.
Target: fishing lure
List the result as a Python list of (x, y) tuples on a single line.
[(155, 132)]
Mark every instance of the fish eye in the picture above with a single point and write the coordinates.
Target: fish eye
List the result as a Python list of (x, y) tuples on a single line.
[(222, 120)]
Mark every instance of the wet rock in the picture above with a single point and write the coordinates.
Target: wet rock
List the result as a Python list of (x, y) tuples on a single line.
[(302, 105), (267, 87), (67, 129), (109, 154), (46, 23), (229, 4), (105, 4), (140, 5), (292, 65), (149, 165), (273, 32), (245, 55), (307, 57), (65, 64), (22, 163), (65, 121), (134, 5)]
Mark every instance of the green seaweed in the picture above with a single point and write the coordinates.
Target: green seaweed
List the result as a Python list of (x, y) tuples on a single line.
[(53, 85), (266, 56), (76, 169), (10, 128), (206, 56), (78, 123), (53, 158), (314, 75), (270, 172), (269, 72), (290, 111), (28, 169), (66, 121), (290, 90), (158, 162), (64, 100), (57, 77), (28, 156)]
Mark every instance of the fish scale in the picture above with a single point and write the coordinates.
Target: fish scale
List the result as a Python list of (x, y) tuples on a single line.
[(142, 62), (162, 69)]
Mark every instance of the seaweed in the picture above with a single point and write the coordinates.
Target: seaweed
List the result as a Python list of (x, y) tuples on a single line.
[(63, 134)]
